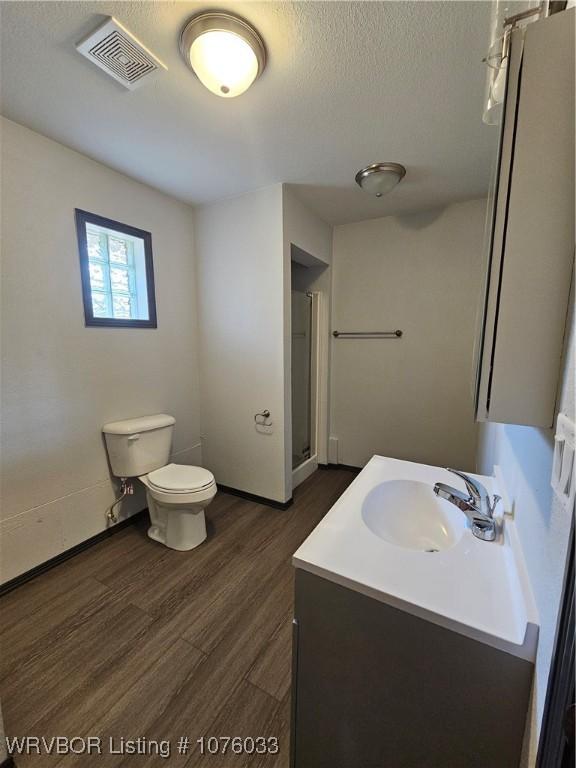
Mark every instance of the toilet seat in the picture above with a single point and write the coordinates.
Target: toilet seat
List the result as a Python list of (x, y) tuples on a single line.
[(180, 478)]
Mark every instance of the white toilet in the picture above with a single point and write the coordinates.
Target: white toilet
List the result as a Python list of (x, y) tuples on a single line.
[(177, 494)]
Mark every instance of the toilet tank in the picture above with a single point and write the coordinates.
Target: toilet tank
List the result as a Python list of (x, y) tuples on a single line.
[(138, 446)]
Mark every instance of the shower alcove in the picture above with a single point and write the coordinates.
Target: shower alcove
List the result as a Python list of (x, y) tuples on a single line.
[(309, 332)]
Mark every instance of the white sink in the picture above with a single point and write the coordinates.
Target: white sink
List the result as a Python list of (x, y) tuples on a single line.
[(377, 538), (407, 513)]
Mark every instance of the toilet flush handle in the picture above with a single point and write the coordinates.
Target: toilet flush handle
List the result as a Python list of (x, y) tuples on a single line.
[(132, 438)]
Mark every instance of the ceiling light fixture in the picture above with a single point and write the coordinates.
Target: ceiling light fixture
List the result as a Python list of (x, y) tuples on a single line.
[(380, 178), (223, 51)]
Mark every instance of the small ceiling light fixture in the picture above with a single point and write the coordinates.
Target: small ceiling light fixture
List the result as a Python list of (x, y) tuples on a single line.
[(223, 51), (380, 178)]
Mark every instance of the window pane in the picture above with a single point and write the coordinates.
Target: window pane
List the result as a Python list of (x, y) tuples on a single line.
[(118, 250), (119, 279), (122, 306), (100, 304), (97, 276), (116, 263), (95, 249)]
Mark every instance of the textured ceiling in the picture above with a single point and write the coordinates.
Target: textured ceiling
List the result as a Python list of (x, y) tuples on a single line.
[(347, 84)]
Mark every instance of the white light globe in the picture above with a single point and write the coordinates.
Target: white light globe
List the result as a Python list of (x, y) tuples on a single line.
[(224, 63), (380, 178), (224, 51), (379, 184)]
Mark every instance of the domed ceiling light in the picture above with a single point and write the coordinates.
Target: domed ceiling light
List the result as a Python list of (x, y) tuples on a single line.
[(380, 178), (223, 51)]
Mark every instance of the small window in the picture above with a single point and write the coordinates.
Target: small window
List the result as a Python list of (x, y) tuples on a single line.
[(117, 273)]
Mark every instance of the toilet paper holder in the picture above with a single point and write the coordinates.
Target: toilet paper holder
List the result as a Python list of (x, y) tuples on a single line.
[(262, 418)]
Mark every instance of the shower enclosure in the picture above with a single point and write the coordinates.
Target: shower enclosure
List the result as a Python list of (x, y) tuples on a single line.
[(301, 377)]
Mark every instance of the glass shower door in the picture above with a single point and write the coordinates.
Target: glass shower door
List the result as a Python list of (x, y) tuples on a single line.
[(301, 376)]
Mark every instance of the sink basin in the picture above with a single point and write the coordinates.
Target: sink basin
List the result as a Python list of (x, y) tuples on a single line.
[(378, 540), (408, 514)]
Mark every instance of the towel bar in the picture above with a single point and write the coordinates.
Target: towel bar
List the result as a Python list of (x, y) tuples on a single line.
[(367, 334)]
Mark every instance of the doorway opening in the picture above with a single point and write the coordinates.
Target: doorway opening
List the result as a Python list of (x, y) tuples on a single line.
[(310, 286), (302, 375)]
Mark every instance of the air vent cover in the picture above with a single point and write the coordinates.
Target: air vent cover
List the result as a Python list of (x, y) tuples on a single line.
[(115, 50)]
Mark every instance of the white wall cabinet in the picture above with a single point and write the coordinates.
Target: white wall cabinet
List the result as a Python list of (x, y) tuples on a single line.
[(532, 231)]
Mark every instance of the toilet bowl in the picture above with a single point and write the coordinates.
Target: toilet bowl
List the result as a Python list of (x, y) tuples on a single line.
[(177, 496)]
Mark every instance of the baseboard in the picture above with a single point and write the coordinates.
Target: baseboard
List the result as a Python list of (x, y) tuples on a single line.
[(8, 586), (254, 497), (348, 467)]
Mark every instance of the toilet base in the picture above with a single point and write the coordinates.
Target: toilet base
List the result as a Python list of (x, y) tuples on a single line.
[(178, 528)]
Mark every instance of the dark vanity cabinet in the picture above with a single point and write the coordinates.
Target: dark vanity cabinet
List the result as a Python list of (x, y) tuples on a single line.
[(377, 687)]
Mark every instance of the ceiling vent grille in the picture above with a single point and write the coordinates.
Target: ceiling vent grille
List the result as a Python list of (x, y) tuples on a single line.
[(115, 50)]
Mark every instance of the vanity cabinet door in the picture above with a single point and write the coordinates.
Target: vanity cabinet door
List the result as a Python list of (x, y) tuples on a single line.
[(532, 252), (376, 687)]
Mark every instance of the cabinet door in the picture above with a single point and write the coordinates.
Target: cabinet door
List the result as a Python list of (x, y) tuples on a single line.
[(533, 241), (377, 687)]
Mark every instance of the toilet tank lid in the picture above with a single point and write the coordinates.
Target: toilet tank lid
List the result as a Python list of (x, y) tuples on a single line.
[(141, 424)]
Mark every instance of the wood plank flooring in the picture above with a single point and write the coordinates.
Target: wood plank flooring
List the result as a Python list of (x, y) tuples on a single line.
[(131, 639)]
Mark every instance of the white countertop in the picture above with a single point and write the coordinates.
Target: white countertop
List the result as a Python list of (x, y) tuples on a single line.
[(477, 588)]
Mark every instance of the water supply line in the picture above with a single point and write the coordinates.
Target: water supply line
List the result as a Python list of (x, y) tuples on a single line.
[(126, 489)]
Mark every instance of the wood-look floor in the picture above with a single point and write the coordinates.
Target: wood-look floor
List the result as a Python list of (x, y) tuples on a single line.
[(132, 639)]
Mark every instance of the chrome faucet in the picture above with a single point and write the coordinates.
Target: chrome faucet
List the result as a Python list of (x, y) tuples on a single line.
[(478, 506)]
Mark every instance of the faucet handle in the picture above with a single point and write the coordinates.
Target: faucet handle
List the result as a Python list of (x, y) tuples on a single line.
[(474, 489), (493, 504)]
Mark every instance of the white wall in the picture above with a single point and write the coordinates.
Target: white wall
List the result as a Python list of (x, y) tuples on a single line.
[(303, 228), (525, 457), (243, 251), (241, 304), (409, 398), (62, 381)]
